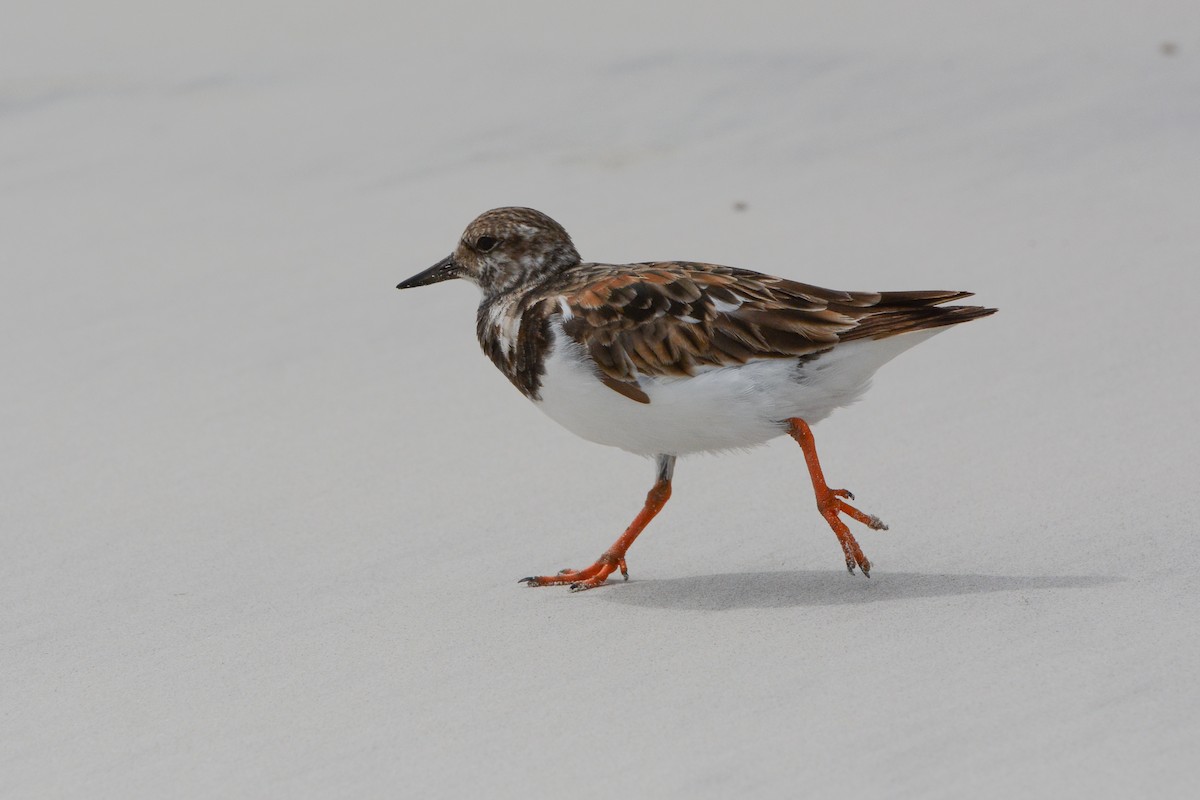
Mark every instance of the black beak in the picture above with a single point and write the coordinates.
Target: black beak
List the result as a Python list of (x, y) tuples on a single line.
[(444, 270)]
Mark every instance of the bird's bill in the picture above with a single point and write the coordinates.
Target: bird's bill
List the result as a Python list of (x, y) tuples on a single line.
[(444, 270)]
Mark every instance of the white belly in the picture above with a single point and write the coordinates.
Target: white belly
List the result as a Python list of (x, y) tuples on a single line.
[(724, 408)]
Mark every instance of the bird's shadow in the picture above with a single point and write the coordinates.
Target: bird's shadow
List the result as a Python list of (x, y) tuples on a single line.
[(828, 588)]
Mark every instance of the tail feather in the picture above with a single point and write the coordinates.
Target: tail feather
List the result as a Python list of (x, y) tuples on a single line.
[(905, 312), (888, 300)]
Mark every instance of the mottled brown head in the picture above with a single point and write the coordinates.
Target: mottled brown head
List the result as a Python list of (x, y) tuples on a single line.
[(502, 249)]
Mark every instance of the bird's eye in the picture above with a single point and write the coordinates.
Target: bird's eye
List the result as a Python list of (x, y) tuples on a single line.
[(485, 243)]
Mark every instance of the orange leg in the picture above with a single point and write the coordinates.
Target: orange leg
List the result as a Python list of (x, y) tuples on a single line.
[(829, 501), (614, 558)]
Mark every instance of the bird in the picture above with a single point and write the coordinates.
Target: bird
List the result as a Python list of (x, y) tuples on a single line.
[(670, 358)]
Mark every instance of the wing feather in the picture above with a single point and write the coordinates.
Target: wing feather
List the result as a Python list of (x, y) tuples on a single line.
[(674, 318)]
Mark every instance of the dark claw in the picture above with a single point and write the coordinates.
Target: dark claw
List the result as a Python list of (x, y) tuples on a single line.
[(530, 580)]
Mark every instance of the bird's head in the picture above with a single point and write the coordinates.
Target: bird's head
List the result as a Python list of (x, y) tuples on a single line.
[(502, 249)]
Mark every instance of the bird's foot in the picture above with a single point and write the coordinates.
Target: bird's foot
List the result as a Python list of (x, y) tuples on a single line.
[(579, 580), (831, 504), (614, 558)]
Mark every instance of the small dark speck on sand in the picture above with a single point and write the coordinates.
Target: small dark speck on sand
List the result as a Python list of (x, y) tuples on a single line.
[(1168, 48), (740, 205)]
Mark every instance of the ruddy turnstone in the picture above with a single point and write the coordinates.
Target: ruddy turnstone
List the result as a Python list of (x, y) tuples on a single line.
[(667, 358)]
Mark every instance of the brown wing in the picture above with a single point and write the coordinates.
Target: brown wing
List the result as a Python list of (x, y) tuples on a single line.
[(674, 318)]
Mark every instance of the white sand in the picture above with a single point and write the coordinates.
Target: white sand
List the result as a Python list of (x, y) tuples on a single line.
[(262, 516)]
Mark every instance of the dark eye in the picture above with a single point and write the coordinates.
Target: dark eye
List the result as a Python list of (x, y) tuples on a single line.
[(485, 243)]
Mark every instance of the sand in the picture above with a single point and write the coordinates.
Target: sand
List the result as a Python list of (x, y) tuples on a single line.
[(262, 517)]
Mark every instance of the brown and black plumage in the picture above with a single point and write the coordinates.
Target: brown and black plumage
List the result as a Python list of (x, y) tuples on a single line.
[(673, 318)]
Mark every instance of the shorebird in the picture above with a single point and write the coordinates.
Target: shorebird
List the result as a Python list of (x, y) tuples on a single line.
[(668, 358)]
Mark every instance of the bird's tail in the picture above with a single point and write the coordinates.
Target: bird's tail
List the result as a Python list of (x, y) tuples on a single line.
[(905, 312)]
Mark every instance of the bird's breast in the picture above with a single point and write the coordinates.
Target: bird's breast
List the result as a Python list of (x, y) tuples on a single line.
[(516, 338)]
